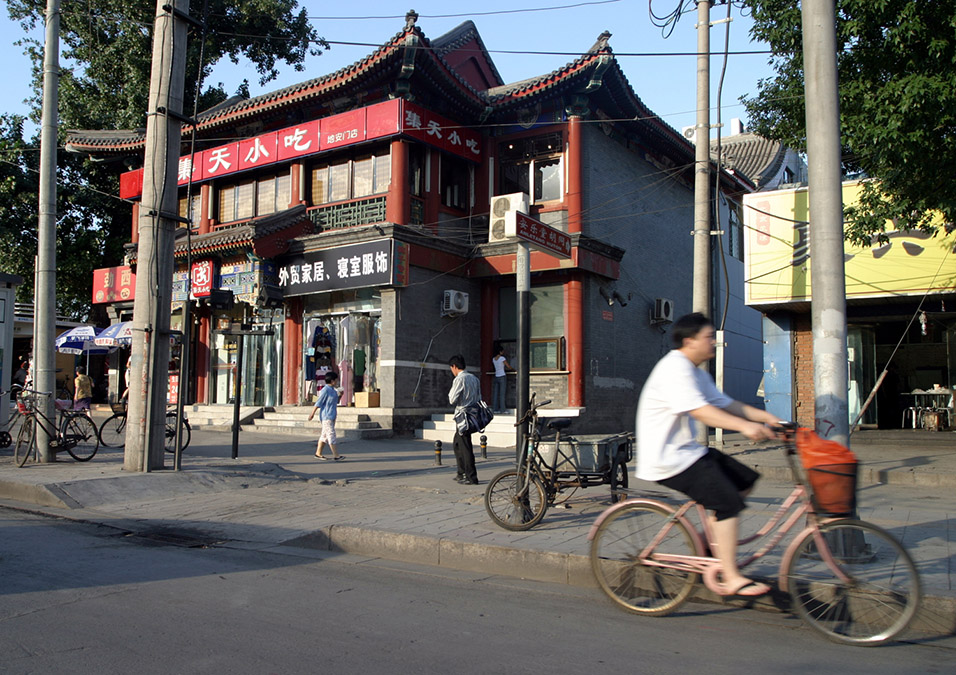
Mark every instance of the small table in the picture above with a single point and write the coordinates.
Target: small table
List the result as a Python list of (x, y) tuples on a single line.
[(931, 400)]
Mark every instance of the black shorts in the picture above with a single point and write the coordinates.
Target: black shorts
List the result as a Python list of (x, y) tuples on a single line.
[(715, 481)]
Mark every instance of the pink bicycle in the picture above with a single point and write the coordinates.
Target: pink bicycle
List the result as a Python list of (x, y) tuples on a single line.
[(846, 578)]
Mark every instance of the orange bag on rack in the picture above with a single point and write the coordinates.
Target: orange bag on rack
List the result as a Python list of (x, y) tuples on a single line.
[(831, 471)]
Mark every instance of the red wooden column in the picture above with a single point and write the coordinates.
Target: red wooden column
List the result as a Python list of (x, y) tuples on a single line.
[(397, 204), (135, 234), (292, 352), (433, 189), (205, 196), (574, 294), (202, 357), (296, 187)]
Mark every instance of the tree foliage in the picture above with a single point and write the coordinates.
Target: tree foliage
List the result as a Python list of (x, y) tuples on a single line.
[(106, 48), (897, 80)]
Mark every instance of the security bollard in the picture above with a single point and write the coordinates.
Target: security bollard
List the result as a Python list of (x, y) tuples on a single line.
[(437, 453), (484, 446)]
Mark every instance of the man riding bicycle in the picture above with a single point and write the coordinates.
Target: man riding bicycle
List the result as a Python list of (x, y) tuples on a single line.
[(677, 396)]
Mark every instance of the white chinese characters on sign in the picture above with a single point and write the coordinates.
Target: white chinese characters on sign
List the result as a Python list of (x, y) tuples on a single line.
[(256, 152), (296, 140), (219, 159)]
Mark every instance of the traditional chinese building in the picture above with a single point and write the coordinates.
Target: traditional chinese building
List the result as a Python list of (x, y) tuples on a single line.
[(368, 216)]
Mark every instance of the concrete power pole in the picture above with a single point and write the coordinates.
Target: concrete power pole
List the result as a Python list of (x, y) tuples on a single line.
[(44, 374), (828, 285), (154, 261), (701, 296)]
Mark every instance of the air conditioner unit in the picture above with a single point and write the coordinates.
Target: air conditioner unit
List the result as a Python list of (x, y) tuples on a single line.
[(663, 310), (690, 133), (503, 209), (454, 303)]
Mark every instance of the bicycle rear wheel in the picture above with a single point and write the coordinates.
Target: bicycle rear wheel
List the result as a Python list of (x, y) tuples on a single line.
[(79, 437), (511, 510), (171, 432), (25, 441), (628, 580), (113, 431), (879, 597)]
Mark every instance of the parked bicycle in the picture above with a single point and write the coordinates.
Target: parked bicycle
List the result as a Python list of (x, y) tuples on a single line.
[(848, 579), (112, 432), (8, 428), (517, 499), (73, 431)]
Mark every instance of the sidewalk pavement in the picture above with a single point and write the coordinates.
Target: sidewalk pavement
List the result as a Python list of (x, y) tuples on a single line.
[(388, 499)]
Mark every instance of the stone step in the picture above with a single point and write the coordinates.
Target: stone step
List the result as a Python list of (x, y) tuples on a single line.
[(496, 439), (343, 434)]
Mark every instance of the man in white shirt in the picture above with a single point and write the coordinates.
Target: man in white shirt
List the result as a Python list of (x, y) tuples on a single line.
[(676, 396)]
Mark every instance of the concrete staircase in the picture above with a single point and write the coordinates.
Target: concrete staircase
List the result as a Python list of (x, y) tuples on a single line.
[(501, 432), (219, 417), (351, 423)]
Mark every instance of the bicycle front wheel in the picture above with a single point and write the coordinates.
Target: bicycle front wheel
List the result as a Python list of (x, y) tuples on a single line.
[(853, 582), (515, 501), (637, 584), (113, 431), (171, 432), (25, 441), (79, 437)]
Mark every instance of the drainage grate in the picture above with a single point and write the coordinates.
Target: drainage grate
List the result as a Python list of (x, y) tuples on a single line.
[(181, 538)]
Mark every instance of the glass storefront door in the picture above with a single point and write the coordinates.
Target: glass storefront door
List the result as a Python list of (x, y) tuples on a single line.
[(261, 368), (347, 344)]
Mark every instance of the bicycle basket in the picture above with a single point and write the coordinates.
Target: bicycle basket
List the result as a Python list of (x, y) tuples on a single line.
[(831, 473), (118, 407), (25, 404)]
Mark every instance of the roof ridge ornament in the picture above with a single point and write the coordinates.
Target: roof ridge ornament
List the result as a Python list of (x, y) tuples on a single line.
[(411, 18)]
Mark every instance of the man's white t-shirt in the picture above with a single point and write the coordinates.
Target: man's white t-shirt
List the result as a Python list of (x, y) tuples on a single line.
[(666, 433)]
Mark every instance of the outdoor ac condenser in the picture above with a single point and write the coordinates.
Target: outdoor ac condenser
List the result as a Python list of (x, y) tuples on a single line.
[(454, 303), (503, 209), (663, 310)]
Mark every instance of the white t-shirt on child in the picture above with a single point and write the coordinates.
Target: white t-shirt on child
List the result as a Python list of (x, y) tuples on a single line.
[(666, 433)]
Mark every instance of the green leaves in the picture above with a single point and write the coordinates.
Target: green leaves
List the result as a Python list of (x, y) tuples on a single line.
[(897, 72)]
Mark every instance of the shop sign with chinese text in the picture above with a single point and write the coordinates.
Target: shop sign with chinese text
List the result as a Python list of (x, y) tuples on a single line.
[(353, 266), (113, 284)]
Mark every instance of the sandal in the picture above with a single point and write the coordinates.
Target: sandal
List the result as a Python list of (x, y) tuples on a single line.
[(339, 457), (749, 589), (322, 457)]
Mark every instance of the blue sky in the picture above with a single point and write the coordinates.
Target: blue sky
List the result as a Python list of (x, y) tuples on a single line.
[(667, 84)]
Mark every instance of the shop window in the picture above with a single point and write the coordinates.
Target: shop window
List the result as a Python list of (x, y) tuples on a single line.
[(195, 215), (416, 170), (547, 323), (532, 165), (350, 179), (254, 197), (454, 182)]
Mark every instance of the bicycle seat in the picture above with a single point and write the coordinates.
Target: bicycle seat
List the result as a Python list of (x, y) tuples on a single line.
[(559, 423)]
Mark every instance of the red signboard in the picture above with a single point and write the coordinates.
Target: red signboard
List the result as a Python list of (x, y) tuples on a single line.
[(544, 237), (302, 139), (380, 120), (113, 284), (203, 276)]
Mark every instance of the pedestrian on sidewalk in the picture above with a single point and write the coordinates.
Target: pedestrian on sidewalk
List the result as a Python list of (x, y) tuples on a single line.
[(465, 392), (82, 390), (500, 384), (327, 403)]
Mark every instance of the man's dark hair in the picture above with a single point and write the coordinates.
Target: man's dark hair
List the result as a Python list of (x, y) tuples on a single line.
[(80, 370), (688, 326), (458, 361), (330, 377)]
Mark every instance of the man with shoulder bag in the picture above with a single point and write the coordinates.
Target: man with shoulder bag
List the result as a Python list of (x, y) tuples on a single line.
[(465, 393)]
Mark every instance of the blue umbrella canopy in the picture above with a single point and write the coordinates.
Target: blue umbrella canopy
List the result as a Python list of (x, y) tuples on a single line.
[(79, 340), (115, 335)]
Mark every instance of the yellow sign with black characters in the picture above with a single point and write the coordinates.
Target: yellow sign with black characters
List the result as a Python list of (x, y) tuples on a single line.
[(777, 254)]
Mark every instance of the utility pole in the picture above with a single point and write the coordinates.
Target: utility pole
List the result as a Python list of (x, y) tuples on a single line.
[(158, 216), (523, 381), (701, 296), (44, 314), (701, 291), (828, 282)]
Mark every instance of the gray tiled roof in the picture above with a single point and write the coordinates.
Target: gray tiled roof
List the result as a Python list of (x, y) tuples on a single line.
[(756, 157)]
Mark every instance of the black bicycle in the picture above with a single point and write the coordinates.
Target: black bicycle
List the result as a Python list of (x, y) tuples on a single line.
[(517, 499), (74, 432), (113, 430)]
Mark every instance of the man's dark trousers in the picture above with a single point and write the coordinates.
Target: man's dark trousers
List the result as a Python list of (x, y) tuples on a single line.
[(465, 456)]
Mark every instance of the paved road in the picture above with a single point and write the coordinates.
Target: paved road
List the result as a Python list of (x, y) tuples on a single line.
[(79, 598)]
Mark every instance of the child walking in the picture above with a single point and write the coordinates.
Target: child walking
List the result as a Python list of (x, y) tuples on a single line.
[(327, 404)]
